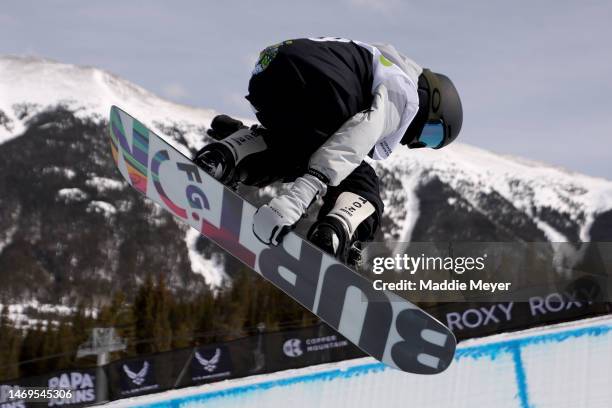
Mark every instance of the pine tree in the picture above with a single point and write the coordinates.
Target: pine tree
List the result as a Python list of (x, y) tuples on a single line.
[(151, 310), (48, 348), (143, 316), (10, 339), (205, 314), (81, 324), (31, 349), (162, 333), (182, 322), (66, 346)]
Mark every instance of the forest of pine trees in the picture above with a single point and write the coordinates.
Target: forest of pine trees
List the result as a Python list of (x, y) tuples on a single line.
[(155, 320)]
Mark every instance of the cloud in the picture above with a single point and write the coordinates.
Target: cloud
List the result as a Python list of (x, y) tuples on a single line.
[(174, 90)]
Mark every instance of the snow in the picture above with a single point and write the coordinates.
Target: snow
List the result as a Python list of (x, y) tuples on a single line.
[(71, 194), (103, 184), (101, 207), (6, 237), (90, 90), (61, 171), (560, 366), (412, 213), (212, 268), (29, 85), (18, 313), (528, 185), (552, 234)]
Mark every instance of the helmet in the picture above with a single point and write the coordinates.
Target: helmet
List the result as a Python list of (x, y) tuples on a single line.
[(440, 115)]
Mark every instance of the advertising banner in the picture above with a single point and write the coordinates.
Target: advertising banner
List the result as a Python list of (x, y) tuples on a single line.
[(68, 388), (307, 346)]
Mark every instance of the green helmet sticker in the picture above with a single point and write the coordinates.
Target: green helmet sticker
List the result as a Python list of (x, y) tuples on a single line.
[(267, 55)]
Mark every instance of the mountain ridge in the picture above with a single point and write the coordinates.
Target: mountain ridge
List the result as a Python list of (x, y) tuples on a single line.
[(460, 193)]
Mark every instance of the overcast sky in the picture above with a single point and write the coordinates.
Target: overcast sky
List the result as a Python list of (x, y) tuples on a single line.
[(534, 76)]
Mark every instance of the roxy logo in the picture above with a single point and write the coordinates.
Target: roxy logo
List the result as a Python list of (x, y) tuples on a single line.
[(481, 316), (293, 348), (209, 365), (139, 377)]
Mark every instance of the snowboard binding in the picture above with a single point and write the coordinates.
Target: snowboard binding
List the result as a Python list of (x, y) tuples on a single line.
[(332, 237), (235, 144), (227, 159)]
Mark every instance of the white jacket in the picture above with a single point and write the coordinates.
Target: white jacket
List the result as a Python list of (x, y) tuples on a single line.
[(395, 104)]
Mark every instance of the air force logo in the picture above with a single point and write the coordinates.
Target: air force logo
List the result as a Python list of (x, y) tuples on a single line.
[(210, 364), (139, 377)]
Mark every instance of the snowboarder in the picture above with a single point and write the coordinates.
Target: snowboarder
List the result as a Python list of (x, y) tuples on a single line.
[(324, 104)]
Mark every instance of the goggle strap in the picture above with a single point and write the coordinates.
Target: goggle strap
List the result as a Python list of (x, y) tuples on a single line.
[(434, 94)]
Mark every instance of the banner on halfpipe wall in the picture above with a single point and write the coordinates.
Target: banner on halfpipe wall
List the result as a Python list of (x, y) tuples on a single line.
[(275, 351), (137, 376), (210, 363), (307, 346), (220, 361), (468, 320), (80, 382)]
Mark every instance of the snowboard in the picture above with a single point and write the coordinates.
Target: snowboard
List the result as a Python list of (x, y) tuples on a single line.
[(384, 325)]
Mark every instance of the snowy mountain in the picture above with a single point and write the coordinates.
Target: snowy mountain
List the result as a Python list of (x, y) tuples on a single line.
[(520, 199), (62, 204), (67, 222), (29, 85)]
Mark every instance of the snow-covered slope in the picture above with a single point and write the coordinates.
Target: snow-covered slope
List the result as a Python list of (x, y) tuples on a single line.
[(29, 86), (561, 366), (534, 189), (460, 193), (90, 91)]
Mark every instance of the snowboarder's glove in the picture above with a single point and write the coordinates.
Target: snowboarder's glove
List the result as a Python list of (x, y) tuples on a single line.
[(273, 220)]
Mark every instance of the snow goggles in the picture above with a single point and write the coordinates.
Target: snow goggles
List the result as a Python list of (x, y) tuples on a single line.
[(432, 135)]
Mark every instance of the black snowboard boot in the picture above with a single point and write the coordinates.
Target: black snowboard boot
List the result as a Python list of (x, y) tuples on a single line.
[(216, 161), (236, 145), (332, 237)]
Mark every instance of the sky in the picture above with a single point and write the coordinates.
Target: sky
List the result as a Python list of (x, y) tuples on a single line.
[(535, 77)]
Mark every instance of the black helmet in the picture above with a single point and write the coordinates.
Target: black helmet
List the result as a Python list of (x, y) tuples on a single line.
[(440, 115)]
